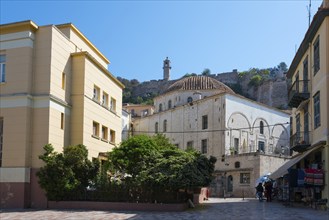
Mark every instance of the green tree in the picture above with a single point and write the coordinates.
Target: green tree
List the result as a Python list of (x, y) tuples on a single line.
[(256, 76), (255, 80), (189, 74), (66, 172), (76, 158), (154, 161), (283, 66), (206, 72)]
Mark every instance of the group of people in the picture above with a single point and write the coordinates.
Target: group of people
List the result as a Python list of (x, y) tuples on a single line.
[(268, 191)]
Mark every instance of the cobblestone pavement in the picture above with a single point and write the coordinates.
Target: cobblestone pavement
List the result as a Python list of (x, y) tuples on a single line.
[(231, 208)]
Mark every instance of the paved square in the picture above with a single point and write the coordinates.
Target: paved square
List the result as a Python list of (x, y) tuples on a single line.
[(214, 208)]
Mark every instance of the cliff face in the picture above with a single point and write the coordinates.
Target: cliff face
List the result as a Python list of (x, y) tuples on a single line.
[(272, 92)]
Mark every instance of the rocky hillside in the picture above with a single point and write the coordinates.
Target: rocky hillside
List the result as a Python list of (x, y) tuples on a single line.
[(268, 86)]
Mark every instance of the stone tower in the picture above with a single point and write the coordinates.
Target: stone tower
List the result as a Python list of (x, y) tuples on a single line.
[(166, 69)]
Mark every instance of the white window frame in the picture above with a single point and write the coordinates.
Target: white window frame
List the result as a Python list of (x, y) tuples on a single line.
[(96, 93), (105, 99)]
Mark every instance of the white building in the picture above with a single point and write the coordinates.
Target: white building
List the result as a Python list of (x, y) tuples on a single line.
[(249, 139), (126, 121)]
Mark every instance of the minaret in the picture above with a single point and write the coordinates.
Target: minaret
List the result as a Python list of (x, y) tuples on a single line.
[(166, 69)]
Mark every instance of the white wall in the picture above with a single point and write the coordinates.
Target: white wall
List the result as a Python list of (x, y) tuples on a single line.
[(245, 115)]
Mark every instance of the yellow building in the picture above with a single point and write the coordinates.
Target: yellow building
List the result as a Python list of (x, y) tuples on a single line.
[(309, 98), (54, 88)]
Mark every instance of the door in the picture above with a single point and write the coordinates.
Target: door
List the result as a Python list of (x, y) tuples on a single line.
[(230, 184)]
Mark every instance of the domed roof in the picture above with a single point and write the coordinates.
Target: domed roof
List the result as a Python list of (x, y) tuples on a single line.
[(199, 83)]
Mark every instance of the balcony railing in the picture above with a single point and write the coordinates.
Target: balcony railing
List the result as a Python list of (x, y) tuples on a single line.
[(298, 92), (300, 141)]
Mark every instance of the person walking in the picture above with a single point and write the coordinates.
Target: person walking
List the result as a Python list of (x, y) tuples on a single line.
[(259, 191), (268, 191)]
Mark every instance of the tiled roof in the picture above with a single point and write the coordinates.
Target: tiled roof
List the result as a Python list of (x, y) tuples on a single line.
[(199, 83)]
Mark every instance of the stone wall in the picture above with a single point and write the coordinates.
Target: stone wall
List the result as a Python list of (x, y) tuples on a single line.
[(273, 92)]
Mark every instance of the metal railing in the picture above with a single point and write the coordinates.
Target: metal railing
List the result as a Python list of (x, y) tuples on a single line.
[(300, 138), (300, 89)]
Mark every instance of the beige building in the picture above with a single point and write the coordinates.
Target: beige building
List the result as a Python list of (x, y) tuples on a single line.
[(248, 139), (55, 88), (309, 98)]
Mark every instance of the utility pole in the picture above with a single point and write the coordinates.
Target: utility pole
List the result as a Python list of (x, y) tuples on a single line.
[(309, 13)]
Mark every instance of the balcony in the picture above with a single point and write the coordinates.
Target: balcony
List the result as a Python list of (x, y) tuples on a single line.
[(298, 92), (300, 141)]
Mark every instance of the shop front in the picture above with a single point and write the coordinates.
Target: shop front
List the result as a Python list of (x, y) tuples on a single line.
[(301, 180)]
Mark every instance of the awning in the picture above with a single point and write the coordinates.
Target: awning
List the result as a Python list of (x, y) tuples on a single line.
[(283, 170)]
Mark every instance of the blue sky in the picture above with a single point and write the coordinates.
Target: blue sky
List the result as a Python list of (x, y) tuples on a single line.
[(136, 36)]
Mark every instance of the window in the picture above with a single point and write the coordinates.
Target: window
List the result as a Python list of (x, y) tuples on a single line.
[(165, 126), (237, 164), (316, 57), (245, 178), (236, 145), (261, 146), (169, 104), (104, 133), (1, 140), (305, 75), (132, 112), (189, 145), (298, 127), (95, 129), (96, 94), (189, 100), (261, 127), (113, 105), (204, 144), (317, 121), (2, 68), (145, 112), (204, 122), (63, 80), (62, 121), (160, 107), (105, 99), (156, 127), (112, 136)]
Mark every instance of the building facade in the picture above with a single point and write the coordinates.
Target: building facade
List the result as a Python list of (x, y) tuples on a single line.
[(309, 97), (248, 139), (138, 110), (55, 88)]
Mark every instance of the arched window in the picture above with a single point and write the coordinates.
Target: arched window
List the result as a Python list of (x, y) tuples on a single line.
[(169, 104), (160, 107), (165, 126), (189, 99), (261, 127), (156, 127)]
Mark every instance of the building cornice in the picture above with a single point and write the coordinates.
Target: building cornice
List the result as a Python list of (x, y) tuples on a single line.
[(101, 67), (18, 27), (309, 36), (76, 30)]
